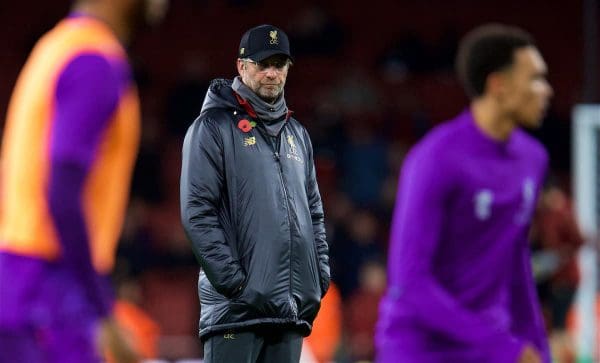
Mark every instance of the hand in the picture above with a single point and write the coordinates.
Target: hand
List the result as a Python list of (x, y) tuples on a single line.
[(529, 355), (113, 342)]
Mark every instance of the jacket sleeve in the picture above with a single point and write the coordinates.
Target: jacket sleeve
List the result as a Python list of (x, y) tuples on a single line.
[(425, 187), (318, 218), (201, 185)]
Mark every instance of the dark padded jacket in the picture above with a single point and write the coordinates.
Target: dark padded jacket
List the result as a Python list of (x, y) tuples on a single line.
[(251, 208)]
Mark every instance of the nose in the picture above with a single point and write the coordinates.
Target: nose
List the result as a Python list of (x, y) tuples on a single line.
[(271, 72)]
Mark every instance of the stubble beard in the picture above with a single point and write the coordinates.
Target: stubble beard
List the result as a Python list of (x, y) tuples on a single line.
[(270, 96)]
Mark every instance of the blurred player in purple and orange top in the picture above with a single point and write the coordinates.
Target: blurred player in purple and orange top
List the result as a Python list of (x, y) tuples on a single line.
[(460, 286), (68, 151)]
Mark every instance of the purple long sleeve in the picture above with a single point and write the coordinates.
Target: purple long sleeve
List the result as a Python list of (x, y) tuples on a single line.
[(527, 317), (419, 224), (87, 95), (459, 284)]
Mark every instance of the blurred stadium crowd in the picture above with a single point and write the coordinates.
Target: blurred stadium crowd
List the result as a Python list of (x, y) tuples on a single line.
[(368, 81)]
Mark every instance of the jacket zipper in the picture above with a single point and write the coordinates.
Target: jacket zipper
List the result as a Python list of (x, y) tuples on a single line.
[(275, 144), (292, 302)]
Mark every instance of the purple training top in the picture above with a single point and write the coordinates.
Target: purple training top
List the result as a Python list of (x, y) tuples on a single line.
[(69, 290), (460, 285)]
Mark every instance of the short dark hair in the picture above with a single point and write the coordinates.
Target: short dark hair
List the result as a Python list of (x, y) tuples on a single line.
[(487, 49)]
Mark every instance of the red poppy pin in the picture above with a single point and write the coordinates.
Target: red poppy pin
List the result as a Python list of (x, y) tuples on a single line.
[(246, 125)]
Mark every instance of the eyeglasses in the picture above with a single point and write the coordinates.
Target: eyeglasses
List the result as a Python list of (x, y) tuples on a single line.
[(263, 66)]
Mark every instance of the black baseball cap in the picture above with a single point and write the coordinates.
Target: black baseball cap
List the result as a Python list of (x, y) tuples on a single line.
[(263, 41)]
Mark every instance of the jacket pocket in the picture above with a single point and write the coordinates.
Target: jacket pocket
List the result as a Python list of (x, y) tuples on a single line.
[(256, 304), (319, 276), (207, 293)]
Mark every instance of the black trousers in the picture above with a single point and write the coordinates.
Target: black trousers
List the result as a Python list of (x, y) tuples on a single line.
[(253, 347)]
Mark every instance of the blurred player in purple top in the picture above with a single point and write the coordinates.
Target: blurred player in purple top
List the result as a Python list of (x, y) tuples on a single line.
[(460, 286), (68, 150)]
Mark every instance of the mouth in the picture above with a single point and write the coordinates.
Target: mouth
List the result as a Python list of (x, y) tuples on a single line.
[(271, 86)]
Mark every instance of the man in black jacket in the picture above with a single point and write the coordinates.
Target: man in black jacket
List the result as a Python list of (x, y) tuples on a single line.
[(251, 207)]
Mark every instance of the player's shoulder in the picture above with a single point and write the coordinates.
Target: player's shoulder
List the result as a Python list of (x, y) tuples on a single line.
[(74, 34), (442, 139), (438, 154), (530, 147), (94, 71), (92, 62)]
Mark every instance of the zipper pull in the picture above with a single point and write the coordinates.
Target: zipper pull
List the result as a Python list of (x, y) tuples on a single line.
[(276, 156)]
